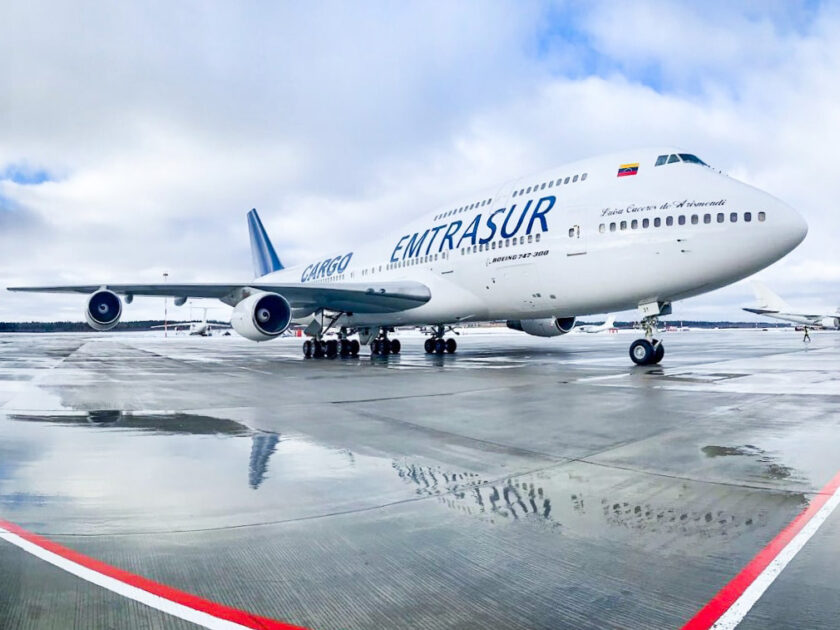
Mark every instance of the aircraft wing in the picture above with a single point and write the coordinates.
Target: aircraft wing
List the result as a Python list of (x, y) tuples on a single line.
[(351, 297)]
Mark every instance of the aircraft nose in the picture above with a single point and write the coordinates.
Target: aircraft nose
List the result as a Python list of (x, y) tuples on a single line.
[(791, 228)]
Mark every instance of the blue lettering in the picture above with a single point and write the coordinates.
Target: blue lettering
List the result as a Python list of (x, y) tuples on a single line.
[(541, 215), (450, 232), (471, 232), (435, 231), (492, 225), (398, 248), (505, 232), (323, 268), (333, 265), (344, 262), (413, 247), (305, 275)]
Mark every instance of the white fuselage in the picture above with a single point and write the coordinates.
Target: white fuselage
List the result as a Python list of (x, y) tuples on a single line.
[(596, 244)]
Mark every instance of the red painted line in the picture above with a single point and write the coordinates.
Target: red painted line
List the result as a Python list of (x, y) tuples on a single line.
[(720, 603), (221, 611)]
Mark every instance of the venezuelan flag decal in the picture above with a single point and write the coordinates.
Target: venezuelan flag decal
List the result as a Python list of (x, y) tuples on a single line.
[(628, 169)]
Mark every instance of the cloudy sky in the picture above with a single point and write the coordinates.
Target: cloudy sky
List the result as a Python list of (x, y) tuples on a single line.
[(135, 136)]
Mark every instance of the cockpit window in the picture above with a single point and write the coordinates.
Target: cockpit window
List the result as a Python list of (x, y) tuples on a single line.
[(673, 158), (661, 160), (693, 159)]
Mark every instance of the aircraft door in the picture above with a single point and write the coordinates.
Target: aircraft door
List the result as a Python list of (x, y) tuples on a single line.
[(576, 241)]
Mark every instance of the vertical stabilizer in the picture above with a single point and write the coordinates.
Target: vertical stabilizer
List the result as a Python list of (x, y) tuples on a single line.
[(767, 300), (262, 251)]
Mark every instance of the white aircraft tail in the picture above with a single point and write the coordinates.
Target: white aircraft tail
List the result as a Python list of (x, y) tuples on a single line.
[(610, 322), (767, 300)]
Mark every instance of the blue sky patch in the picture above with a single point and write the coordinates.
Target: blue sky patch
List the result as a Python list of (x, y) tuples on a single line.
[(25, 175)]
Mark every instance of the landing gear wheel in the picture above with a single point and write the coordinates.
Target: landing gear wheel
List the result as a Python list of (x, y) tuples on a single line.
[(307, 349), (440, 346), (642, 352), (429, 345), (332, 348), (451, 345), (318, 349), (658, 351), (396, 346), (355, 346), (344, 347)]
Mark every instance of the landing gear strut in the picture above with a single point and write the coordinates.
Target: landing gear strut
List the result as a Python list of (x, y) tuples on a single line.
[(649, 351), (383, 345), (436, 344), (318, 347)]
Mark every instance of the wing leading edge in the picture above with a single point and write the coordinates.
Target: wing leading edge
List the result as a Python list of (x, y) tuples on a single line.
[(379, 297)]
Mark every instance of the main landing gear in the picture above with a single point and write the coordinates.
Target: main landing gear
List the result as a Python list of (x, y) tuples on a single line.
[(649, 351), (330, 348), (436, 344), (383, 345)]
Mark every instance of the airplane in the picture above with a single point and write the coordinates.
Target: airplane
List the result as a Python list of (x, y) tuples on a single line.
[(636, 229), (771, 305), (609, 324), (201, 328)]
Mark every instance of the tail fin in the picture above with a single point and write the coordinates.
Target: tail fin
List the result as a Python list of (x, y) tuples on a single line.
[(610, 321), (767, 300), (262, 251)]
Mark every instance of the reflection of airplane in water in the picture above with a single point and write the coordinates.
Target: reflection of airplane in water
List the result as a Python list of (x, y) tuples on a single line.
[(468, 492), (263, 443)]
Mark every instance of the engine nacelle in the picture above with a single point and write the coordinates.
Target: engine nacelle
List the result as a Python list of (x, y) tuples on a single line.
[(830, 322), (103, 310), (548, 327), (262, 316)]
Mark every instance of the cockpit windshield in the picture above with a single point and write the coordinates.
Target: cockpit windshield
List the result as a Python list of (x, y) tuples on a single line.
[(679, 157)]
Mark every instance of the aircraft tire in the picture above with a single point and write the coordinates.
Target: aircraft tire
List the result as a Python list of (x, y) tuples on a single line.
[(318, 349), (429, 345), (332, 348), (396, 346), (440, 346), (659, 351), (451, 345), (355, 346), (641, 352), (307, 349)]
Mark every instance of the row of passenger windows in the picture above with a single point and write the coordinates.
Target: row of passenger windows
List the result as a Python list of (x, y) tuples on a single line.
[(501, 243), (681, 220), (477, 204), (410, 262), (571, 179)]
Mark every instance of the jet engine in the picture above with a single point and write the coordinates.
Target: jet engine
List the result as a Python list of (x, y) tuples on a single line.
[(262, 316), (830, 322), (548, 327), (103, 310)]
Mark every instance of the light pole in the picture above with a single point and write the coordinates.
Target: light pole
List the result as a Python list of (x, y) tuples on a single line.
[(165, 301)]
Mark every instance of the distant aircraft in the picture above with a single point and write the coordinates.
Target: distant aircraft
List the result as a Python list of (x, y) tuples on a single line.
[(596, 328), (771, 305), (201, 328), (637, 229)]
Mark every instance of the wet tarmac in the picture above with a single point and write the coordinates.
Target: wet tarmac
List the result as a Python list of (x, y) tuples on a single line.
[(521, 483)]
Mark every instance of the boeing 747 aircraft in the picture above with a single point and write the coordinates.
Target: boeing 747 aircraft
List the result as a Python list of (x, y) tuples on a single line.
[(771, 305), (638, 229)]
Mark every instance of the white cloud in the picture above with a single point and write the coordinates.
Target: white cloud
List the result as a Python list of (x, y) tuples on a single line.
[(163, 124)]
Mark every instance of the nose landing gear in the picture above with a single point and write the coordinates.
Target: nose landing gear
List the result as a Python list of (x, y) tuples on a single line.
[(649, 351)]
